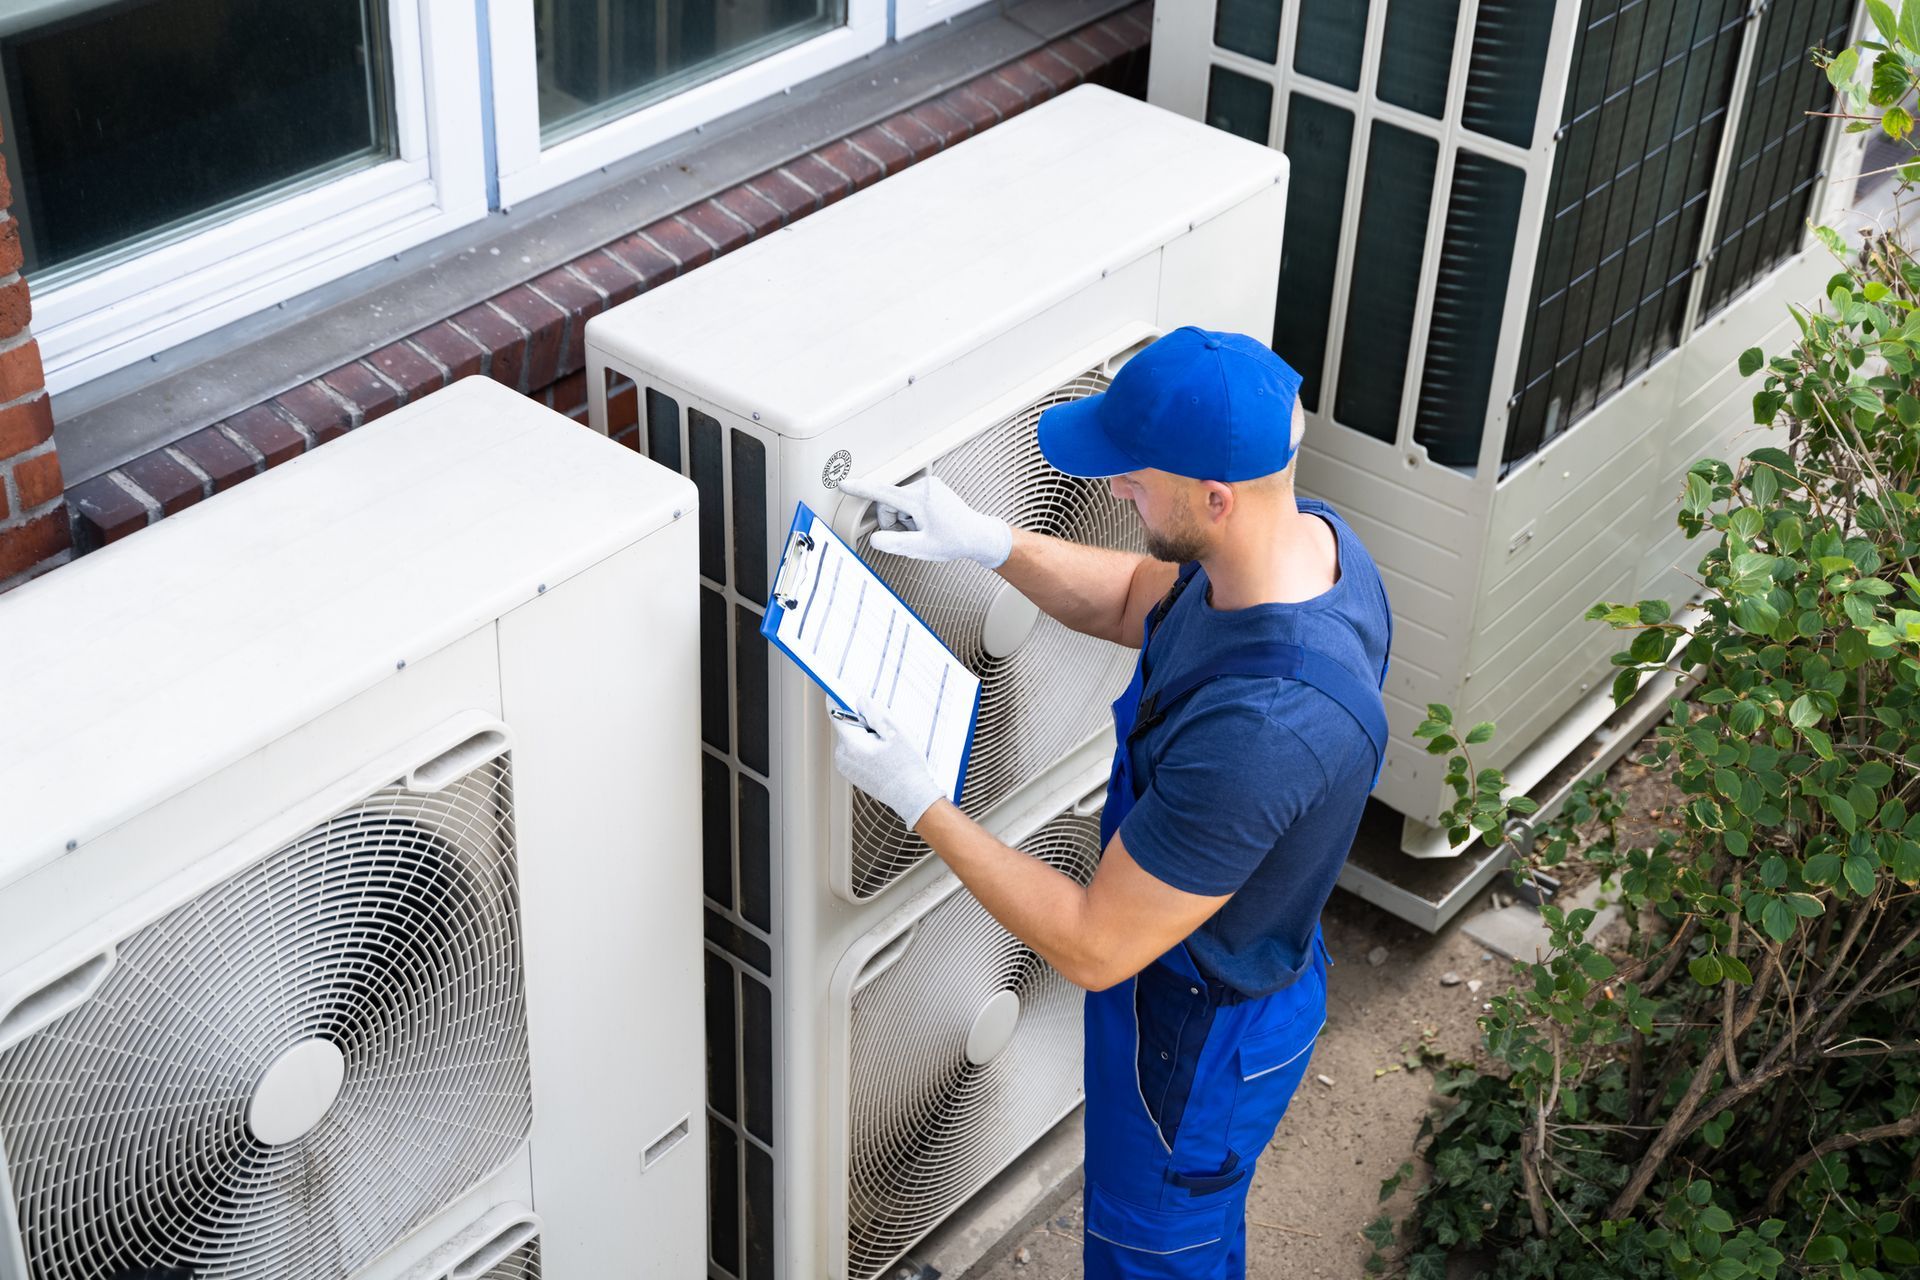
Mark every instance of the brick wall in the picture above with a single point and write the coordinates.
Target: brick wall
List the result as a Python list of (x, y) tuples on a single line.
[(531, 337), (33, 513)]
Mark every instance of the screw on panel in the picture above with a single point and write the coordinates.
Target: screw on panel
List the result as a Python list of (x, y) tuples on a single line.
[(910, 379), (72, 845), (400, 665), (543, 589), (756, 417), (676, 513)]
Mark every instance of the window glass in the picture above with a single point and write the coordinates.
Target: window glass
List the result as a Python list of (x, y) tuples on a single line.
[(601, 58), (1251, 27), (1385, 283), (1776, 153), (1416, 54), (1646, 102), (1331, 38), (136, 122), (1318, 146), (1239, 104), (1469, 293)]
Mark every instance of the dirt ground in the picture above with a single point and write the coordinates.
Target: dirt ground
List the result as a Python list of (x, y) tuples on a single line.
[(1319, 1183)]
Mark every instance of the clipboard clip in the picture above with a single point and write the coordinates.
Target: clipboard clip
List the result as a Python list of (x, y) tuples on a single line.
[(793, 570)]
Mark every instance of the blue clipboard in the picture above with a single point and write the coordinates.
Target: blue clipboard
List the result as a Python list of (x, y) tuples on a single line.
[(797, 592)]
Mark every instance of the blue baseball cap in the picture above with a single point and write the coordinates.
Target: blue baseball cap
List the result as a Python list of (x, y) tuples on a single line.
[(1212, 406)]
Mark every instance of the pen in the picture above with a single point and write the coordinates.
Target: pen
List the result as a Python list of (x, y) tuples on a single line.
[(848, 717)]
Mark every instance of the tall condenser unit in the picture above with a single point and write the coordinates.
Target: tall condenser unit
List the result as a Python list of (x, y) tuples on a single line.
[(1526, 243), (349, 873), (878, 1046)]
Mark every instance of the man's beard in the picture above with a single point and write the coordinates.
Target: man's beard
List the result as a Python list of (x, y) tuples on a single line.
[(1177, 545)]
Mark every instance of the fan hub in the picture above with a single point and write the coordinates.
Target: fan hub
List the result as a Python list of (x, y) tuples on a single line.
[(296, 1092), (993, 1028), (1010, 620)]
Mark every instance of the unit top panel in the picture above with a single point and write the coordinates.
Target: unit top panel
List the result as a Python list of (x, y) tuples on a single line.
[(824, 318), (148, 666)]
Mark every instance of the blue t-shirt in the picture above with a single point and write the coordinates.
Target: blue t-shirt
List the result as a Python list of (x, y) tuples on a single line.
[(1254, 786)]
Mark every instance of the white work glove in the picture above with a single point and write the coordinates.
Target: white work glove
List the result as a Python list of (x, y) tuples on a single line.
[(928, 521), (883, 763)]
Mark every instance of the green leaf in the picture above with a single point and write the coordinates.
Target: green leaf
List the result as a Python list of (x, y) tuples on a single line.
[(1884, 20), (1745, 717), (1803, 712), (1714, 1218), (1841, 71), (1737, 970), (1843, 813), (1481, 732), (1861, 873), (1896, 122), (1803, 904), (1750, 361), (1822, 868), (1596, 966), (1831, 1248), (1777, 919), (1706, 970), (1899, 1249), (1822, 745)]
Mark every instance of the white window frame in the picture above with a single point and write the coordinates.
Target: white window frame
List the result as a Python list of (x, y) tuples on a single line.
[(911, 17), (526, 169), (156, 299)]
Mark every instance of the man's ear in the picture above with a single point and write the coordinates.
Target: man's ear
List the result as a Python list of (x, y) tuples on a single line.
[(1220, 498)]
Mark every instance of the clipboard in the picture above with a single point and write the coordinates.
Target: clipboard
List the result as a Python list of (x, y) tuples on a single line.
[(839, 622)]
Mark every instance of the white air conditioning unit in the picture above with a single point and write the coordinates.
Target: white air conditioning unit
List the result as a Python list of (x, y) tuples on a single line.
[(349, 871), (1526, 243), (878, 1048)]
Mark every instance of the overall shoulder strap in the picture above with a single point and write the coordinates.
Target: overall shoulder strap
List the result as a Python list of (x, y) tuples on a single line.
[(1283, 661), (1188, 572)]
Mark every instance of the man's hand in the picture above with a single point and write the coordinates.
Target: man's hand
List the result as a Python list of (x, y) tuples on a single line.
[(928, 521), (881, 762)]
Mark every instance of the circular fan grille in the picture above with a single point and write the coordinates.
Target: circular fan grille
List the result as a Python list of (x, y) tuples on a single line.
[(389, 932), (1049, 695), (929, 1127), (522, 1264)]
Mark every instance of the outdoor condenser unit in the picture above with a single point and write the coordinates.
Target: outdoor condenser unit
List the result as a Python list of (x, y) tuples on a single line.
[(349, 887), (878, 1047), (1526, 243)]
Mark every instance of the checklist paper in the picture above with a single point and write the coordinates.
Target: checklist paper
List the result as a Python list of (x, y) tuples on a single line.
[(847, 629)]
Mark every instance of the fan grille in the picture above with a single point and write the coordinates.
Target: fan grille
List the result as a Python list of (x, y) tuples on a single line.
[(1052, 693), (522, 1264), (390, 932), (929, 1127)]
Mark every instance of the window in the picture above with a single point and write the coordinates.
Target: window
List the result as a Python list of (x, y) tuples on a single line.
[(578, 84), (182, 163)]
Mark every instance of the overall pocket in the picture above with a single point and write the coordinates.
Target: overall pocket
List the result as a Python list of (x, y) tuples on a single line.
[(1138, 1243), (1271, 1063)]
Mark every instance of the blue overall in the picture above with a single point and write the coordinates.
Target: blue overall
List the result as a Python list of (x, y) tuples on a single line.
[(1186, 1077)]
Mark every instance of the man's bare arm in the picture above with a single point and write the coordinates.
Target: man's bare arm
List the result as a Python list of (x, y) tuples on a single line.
[(1095, 936), (1095, 590)]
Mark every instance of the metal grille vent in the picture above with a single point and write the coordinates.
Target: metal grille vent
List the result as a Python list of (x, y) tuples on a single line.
[(931, 1123), (385, 939), (522, 1264), (1049, 694)]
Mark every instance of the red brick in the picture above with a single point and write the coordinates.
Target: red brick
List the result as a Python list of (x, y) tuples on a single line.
[(165, 481), (16, 308), (1050, 66), (402, 364), (369, 393), (546, 326), (999, 95), (581, 302), (10, 257), (223, 460), (759, 213), (569, 393), (630, 438), (6, 186), (1104, 42), (1135, 25), (38, 539), (647, 259), (822, 179), (914, 134), (25, 425), (104, 512), (504, 340), (460, 355), (971, 107), (888, 151), (860, 168), (20, 372), (1034, 85), (786, 195), (324, 417), (275, 437), (725, 231), (947, 125), (38, 479), (610, 276), (680, 242), (623, 407)]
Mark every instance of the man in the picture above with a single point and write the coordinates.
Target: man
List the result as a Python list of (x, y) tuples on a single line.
[(1247, 743)]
